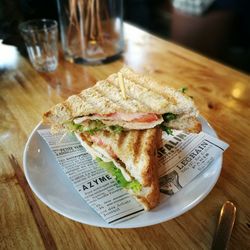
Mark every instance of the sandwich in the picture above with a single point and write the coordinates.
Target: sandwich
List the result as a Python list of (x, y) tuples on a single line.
[(119, 122), (130, 157), (125, 101)]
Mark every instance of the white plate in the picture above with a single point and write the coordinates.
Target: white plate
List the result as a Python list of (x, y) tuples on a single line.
[(52, 187)]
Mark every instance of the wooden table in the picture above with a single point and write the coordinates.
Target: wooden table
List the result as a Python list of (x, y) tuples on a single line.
[(222, 95)]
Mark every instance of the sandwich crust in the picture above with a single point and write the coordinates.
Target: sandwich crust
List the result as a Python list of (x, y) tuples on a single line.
[(188, 123)]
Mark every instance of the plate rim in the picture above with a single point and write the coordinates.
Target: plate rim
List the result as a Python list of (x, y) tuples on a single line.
[(121, 225)]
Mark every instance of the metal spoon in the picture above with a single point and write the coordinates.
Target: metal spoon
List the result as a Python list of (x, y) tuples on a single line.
[(225, 226)]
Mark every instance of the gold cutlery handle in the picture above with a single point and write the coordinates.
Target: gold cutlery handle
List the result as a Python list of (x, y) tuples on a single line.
[(225, 226)]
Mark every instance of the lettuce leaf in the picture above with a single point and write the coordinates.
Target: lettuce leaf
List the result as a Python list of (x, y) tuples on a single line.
[(91, 127), (168, 130), (116, 128), (110, 167), (167, 117), (183, 90)]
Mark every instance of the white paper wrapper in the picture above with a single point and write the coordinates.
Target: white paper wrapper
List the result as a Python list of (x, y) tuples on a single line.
[(181, 158)]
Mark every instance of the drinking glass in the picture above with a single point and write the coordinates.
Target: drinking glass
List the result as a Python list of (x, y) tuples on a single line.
[(40, 37)]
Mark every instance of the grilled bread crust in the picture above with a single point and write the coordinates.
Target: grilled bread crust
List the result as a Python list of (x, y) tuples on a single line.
[(186, 123), (137, 150), (143, 95)]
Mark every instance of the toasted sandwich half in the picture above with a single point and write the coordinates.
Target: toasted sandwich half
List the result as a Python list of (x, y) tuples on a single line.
[(125, 101), (130, 157)]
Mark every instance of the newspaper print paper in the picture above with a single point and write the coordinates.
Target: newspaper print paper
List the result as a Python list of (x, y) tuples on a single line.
[(181, 158)]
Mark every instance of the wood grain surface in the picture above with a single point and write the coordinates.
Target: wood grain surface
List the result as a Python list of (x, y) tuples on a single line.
[(223, 97)]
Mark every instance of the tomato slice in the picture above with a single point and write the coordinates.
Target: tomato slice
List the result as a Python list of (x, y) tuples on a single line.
[(146, 118), (106, 115)]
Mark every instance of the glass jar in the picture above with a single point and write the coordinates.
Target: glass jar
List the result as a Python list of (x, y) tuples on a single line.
[(91, 30)]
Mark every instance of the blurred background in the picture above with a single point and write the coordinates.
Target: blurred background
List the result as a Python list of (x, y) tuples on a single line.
[(219, 29)]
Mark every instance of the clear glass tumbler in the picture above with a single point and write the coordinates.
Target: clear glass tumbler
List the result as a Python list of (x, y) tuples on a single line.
[(41, 37), (91, 30)]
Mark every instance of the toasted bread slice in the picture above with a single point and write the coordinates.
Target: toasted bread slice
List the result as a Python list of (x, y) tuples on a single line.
[(143, 96), (133, 152)]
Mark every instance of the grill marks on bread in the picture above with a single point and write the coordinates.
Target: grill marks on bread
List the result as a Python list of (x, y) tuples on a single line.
[(99, 102), (121, 139), (150, 99), (113, 93), (150, 84), (176, 99), (132, 142), (136, 149), (106, 97), (137, 146)]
